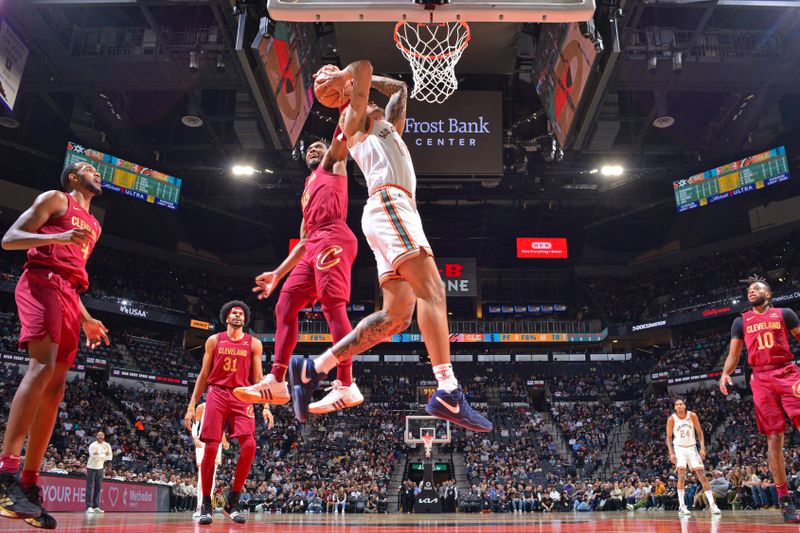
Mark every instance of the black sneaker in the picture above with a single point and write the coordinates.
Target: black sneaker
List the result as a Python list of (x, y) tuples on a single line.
[(205, 515), (789, 512), (45, 520), (231, 509), (13, 502)]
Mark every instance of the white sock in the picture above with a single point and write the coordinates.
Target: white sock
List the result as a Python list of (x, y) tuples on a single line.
[(682, 498), (711, 502), (444, 375), (325, 362)]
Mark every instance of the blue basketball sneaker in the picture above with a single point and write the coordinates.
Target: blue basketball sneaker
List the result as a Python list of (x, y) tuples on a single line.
[(453, 406), (304, 379)]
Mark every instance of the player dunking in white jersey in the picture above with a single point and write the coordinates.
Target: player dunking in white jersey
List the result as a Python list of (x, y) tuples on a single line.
[(682, 426), (407, 273)]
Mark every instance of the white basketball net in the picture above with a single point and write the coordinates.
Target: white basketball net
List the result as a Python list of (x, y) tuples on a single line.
[(427, 441), (433, 51)]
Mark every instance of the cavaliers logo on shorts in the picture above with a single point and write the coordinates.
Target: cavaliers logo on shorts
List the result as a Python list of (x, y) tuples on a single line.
[(249, 411), (796, 389), (327, 258)]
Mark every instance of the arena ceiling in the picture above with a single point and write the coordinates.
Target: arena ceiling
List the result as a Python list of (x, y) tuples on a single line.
[(116, 76)]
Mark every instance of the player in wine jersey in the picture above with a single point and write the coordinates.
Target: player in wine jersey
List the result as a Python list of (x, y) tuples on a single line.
[(59, 235), (775, 379), (682, 426), (391, 223), (320, 268), (232, 359)]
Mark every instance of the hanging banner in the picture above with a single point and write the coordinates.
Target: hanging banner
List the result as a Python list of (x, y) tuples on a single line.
[(13, 56)]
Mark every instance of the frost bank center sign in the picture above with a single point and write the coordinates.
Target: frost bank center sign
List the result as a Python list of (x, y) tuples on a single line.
[(463, 135)]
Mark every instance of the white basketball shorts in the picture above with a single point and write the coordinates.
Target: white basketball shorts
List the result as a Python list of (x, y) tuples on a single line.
[(688, 456), (393, 229), (199, 455)]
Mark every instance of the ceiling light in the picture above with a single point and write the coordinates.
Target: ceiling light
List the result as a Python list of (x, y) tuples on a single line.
[(240, 170), (664, 122), (612, 170), (9, 122), (663, 118), (677, 62), (191, 121), (193, 64), (652, 63)]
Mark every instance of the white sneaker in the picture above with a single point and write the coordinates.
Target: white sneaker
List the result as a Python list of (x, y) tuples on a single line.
[(716, 510), (268, 390), (196, 515), (339, 397), (684, 511), (98, 510), (89, 510)]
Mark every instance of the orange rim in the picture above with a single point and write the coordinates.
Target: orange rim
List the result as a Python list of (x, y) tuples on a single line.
[(431, 57)]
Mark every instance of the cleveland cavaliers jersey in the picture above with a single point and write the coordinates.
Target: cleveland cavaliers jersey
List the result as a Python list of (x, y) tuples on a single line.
[(67, 260), (767, 336), (324, 199), (232, 362), (683, 431), (384, 159)]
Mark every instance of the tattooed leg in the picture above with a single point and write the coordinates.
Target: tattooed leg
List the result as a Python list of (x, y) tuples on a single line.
[(398, 308), (424, 278)]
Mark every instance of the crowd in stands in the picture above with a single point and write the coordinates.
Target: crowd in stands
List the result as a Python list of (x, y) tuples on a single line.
[(517, 451), (586, 427), (576, 388), (705, 281), (352, 452), (624, 386), (696, 354), (125, 351), (343, 462)]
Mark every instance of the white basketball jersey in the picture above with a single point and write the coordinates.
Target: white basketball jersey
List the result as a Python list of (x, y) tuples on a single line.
[(683, 431), (197, 427), (384, 159)]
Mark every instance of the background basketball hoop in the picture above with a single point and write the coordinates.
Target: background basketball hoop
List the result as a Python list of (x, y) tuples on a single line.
[(427, 441), (433, 50)]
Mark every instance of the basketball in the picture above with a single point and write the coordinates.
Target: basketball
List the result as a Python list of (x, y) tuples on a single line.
[(331, 96)]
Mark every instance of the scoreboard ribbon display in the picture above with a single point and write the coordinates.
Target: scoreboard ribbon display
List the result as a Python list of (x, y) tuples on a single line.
[(745, 175), (518, 338), (128, 178)]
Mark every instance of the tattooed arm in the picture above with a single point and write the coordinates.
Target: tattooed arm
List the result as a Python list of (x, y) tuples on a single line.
[(372, 330), (397, 91)]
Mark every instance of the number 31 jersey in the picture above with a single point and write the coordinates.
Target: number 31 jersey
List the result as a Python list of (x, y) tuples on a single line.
[(232, 361), (766, 335)]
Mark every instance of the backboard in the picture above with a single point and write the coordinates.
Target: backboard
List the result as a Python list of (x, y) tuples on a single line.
[(418, 427), (411, 11)]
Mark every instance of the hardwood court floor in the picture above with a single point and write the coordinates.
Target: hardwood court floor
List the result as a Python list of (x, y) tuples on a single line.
[(621, 522)]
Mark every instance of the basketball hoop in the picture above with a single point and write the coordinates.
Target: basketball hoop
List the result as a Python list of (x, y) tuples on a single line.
[(427, 441), (433, 50)]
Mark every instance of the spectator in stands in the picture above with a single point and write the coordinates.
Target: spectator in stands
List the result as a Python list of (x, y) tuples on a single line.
[(341, 500)]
